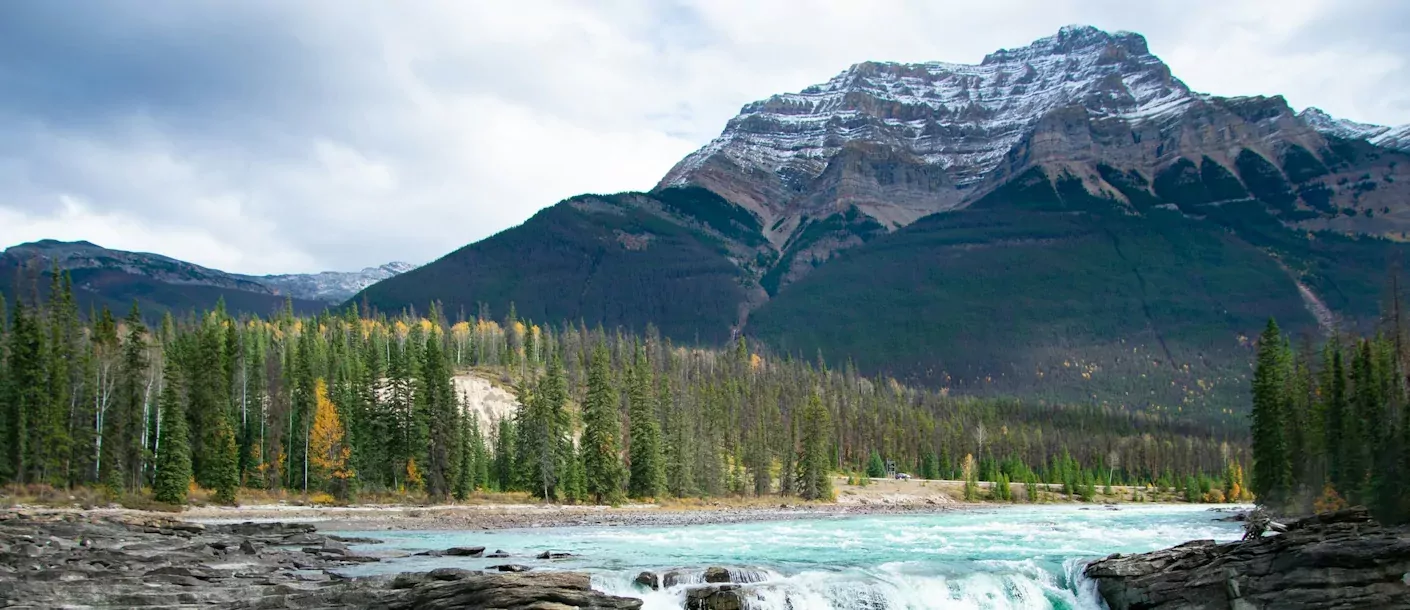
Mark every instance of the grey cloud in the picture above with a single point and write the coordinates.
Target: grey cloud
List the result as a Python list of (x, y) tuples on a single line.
[(296, 136)]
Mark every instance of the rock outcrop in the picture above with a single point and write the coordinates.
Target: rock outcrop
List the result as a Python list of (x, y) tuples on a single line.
[(1334, 560), (77, 561)]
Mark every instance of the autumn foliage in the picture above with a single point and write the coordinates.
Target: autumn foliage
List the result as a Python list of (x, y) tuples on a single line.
[(329, 454)]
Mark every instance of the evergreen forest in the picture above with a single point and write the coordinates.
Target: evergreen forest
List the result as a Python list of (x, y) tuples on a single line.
[(355, 402)]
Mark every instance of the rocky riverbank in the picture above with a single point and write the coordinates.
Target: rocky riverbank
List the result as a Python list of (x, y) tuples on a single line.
[(514, 516), (1334, 560), (78, 561)]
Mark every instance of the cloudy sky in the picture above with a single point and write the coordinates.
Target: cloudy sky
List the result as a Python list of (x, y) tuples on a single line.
[(273, 136)]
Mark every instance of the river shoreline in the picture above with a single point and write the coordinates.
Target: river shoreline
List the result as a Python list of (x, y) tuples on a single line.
[(368, 518)]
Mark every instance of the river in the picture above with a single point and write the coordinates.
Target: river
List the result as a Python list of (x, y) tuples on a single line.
[(1013, 557)]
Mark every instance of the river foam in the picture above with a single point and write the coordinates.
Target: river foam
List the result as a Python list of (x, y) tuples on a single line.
[(1017, 557)]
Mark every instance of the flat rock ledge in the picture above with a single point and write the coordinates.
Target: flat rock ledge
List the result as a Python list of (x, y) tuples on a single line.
[(75, 561), (1332, 560)]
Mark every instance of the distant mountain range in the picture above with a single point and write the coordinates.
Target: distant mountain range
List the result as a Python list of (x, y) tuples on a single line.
[(160, 283), (1066, 219)]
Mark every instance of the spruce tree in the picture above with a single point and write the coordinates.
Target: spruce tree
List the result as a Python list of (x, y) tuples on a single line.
[(173, 476), (481, 476), (27, 385), (225, 458), (876, 468), (1334, 427), (1272, 468), (1362, 428), (504, 442), (677, 449), (648, 474), (128, 453), (601, 429), (814, 476), (541, 430), (465, 479)]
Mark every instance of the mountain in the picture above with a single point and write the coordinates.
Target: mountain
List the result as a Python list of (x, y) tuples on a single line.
[(115, 278), (331, 286), (1065, 219), (1395, 138)]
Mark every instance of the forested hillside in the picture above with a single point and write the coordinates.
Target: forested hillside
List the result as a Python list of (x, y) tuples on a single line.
[(621, 260), (342, 404), (1331, 427)]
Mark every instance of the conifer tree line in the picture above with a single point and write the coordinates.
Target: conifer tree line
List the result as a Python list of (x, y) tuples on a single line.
[(1330, 423), (348, 402)]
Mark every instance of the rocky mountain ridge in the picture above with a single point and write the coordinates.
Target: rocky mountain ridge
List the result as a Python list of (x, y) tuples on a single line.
[(331, 286), (960, 118), (328, 286), (897, 142)]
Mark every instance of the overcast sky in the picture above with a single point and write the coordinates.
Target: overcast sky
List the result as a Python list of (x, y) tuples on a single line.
[(276, 136)]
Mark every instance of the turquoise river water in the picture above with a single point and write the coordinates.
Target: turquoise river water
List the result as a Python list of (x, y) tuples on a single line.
[(1015, 557)]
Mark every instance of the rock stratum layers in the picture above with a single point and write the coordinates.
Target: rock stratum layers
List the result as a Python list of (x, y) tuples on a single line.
[(1336, 560)]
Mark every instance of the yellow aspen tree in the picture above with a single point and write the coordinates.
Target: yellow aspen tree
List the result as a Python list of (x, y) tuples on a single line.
[(971, 478), (329, 453)]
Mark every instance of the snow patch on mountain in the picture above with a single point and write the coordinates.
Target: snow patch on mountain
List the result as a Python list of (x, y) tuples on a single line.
[(1397, 138), (962, 117), (331, 286)]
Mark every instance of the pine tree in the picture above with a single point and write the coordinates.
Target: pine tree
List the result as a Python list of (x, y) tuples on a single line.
[(173, 476), (29, 398), (601, 427), (814, 476), (441, 416), (1359, 429), (481, 477), (1272, 468), (125, 433), (1336, 413), (225, 466), (677, 449), (930, 466), (542, 433), (503, 474), (465, 478), (575, 479), (876, 468), (648, 473)]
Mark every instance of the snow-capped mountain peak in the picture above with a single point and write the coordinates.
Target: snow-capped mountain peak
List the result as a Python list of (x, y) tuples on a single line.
[(960, 117), (332, 286), (1397, 138)]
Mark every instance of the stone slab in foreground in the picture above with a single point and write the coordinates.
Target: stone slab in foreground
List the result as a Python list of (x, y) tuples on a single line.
[(1334, 560)]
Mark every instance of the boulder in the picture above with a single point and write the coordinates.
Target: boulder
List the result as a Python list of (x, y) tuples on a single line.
[(716, 575), (465, 551), (649, 580), (450, 574), (545, 590), (552, 555), (1337, 560), (722, 597), (511, 567)]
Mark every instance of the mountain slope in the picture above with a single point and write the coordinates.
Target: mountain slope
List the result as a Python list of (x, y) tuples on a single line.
[(627, 260), (115, 278), (1002, 227)]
